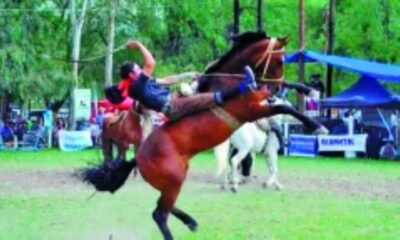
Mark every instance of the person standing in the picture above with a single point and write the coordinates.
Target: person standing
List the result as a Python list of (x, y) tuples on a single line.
[(48, 124)]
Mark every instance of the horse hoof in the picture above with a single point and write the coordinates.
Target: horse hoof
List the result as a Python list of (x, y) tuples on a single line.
[(193, 226), (321, 131), (233, 189), (245, 180)]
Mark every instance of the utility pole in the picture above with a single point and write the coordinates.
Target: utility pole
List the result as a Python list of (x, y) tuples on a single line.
[(301, 70), (329, 49), (260, 26)]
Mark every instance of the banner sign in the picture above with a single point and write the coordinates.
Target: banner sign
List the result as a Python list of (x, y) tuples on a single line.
[(74, 140), (302, 145), (335, 143), (82, 104)]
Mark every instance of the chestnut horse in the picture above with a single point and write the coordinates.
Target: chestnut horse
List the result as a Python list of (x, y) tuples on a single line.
[(163, 158), (122, 130)]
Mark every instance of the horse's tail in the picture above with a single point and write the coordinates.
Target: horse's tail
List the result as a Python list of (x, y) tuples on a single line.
[(109, 176), (221, 153)]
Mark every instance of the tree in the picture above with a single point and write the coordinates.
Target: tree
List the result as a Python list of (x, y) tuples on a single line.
[(110, 42), (77, 24)]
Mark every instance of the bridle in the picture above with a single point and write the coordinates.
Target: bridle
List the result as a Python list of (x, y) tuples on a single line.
[(269, 51)]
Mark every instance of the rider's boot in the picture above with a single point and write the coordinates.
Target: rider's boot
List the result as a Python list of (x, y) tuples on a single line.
[(247, 84)]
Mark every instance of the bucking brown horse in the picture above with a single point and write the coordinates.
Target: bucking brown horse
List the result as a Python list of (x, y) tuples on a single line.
[(163, 158)]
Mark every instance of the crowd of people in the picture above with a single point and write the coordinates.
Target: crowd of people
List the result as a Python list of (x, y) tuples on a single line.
[(22, 132)]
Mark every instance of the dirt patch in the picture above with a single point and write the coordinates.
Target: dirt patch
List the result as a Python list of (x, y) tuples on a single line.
[(65, 179), (38, 180), (382, 189)]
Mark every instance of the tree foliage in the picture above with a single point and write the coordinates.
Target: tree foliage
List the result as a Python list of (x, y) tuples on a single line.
[(35, 37)]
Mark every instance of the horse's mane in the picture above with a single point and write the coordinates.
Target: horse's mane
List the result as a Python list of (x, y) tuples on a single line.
[(240, 41)]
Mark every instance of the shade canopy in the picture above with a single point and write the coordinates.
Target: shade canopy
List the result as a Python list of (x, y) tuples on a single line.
[(366, 93), (367, 68)]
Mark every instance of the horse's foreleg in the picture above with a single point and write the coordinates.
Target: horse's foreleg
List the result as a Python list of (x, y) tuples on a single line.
[(310, 124), (300, 88)]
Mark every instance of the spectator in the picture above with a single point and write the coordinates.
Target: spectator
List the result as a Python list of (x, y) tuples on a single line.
[(60, 125), (348, 120), (7, 133), (21, 129), (48, 124), (317, 84), (39, 132), (100, 116), (388, 150)]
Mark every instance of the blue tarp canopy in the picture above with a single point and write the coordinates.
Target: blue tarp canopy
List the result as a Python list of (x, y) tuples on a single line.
[(367, 92), (372, 69)]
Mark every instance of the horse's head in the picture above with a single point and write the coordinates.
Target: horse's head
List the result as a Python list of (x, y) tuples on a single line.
[(263, 54)]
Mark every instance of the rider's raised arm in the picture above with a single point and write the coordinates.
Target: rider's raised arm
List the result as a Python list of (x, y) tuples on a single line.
[(188, 76), (148, 60)]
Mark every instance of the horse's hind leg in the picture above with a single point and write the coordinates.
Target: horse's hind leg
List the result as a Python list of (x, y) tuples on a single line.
[(185, 218), (170, 187), (236, 160), (272, 161), (160, 216), (122, 149), (107, 149), (221, 153)]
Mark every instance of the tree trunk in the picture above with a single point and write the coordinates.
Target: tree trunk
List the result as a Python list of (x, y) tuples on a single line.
[(110, 44), (260, 26), (236, 17), (77, 25)]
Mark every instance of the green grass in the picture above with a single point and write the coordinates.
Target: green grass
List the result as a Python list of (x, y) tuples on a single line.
[(253, 213)]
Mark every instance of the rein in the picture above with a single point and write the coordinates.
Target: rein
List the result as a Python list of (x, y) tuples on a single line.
[(238, 75)]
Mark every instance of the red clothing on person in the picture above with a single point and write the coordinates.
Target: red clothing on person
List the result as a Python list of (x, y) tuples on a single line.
[(124, 85)]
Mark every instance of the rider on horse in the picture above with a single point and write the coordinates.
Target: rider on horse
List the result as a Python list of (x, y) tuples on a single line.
[(139, 84)]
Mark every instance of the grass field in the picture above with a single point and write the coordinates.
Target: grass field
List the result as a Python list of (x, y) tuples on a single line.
[(324, 198)]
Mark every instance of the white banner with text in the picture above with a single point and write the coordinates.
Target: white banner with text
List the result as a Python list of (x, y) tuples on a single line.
[(74, 140), (338, 143)]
